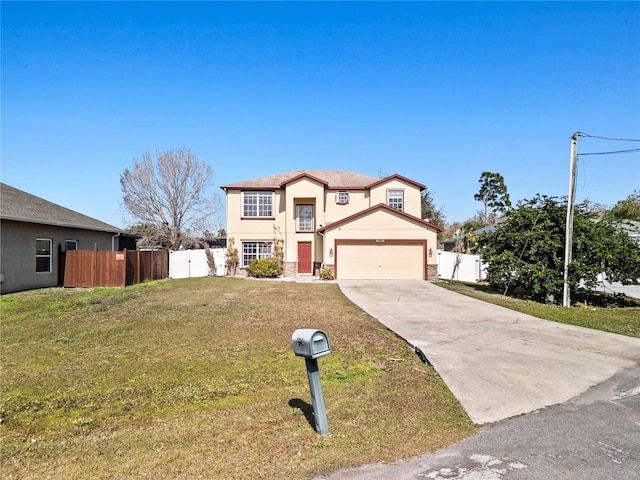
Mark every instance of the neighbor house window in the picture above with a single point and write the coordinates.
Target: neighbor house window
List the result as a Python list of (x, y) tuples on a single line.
[(253, 250), (43, 255), (342, 198), (305, 218), (395, 199), (70, 245), (257, 204)]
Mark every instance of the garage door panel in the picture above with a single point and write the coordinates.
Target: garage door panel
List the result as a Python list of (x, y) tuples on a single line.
[(380, 260)]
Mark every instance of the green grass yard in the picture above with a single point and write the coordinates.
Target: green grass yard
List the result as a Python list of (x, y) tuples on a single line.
[(197, 379)]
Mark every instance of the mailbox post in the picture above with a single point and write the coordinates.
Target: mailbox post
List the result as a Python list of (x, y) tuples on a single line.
[(312, 344)]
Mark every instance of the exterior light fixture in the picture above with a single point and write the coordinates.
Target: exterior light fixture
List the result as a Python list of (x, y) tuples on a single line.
[(331, 252), (430, 253)]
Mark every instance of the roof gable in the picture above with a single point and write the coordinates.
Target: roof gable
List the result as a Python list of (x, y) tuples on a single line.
[(23, 207), (384, 207), (396, 176), (304, 175)]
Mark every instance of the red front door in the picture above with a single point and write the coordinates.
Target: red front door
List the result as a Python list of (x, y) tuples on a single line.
[(304, 257)]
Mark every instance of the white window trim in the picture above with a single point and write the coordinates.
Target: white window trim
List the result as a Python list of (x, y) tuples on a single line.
[(258, 254), (396, 190), (258, 193), (49, 256), (311, 229)]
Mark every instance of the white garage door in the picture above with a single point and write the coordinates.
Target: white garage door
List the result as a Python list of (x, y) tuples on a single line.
[(380, 260)]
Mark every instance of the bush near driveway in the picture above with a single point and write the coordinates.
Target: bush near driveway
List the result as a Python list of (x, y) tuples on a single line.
[(525, 253), (196, 378)]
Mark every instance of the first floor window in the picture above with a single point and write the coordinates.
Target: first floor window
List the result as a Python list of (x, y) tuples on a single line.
[(395, 199), (70, 245), (253, 250), (43, 255)]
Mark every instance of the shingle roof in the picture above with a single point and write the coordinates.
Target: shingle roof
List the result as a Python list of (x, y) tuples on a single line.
[(24, 207), (333, 178)]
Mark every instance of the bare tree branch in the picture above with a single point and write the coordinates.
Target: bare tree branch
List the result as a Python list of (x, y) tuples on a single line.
[(170, 193)]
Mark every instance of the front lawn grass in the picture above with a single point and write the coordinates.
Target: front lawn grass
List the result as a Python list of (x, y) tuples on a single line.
[(196, 378), (610, 314)]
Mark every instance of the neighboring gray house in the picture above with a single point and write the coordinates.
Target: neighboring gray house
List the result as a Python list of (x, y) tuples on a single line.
[(34, 231)]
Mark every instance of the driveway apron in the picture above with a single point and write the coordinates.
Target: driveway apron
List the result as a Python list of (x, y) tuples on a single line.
[(497, 362)]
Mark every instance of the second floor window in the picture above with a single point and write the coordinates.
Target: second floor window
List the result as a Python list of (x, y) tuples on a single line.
[(342, 198), (257, 204), (305, 218), (395, 199)]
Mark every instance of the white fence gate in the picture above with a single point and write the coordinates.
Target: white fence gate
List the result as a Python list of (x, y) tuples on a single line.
[(471, 268), (193, 263)]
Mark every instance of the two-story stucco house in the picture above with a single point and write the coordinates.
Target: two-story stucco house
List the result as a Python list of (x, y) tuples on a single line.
[(359, 226)]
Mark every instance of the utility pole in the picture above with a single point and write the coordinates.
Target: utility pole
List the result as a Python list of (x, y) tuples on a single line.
[(566, 301)]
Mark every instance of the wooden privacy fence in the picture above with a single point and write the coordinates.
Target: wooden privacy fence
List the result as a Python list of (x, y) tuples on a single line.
[(86, 268)]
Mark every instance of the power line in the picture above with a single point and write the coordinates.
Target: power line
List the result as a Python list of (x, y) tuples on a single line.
[(582, 134), (571, 199), (610, 153)]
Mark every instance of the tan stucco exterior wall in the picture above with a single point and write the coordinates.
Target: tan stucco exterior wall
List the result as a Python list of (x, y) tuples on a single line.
[(412, 200), (380, 225), (303, 191), (253, 229), (358, 201)]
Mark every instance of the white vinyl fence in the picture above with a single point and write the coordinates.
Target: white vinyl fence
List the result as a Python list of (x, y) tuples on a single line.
[(470, 269), (193, 263)]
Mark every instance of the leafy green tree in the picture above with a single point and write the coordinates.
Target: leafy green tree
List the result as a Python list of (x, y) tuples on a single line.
[(628, 209), (470, 225), (430, 211), (525, 253), (493, 194)]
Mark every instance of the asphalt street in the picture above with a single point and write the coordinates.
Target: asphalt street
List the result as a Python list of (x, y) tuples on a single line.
[(595, 436)]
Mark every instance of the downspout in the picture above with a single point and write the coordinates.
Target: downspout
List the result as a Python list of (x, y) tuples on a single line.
[(322, 235), (113, 241)]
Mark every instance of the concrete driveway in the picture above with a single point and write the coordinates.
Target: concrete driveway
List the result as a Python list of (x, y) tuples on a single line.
[(497, 362)]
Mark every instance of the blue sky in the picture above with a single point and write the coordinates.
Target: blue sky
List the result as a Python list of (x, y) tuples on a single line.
[(435, 91)]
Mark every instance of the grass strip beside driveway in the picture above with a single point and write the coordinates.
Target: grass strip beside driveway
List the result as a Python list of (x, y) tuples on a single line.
[(196, 378), (620, 315)]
